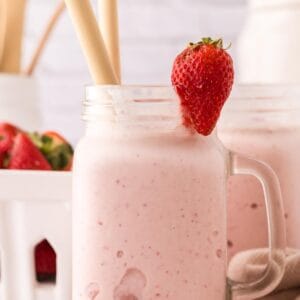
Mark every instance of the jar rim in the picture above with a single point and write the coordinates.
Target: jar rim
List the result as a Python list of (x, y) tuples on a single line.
[(244, 97), (239, 91), (158, 106), (261, 107), (265, 91), (133, 105), (111, 96), (150, 107), (163, 90)]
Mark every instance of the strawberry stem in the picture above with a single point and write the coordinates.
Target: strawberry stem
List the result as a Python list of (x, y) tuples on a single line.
[(218, 43)]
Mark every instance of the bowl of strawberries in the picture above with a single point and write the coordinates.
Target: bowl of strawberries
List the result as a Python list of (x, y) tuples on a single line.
[(35, 214), (21, 150)]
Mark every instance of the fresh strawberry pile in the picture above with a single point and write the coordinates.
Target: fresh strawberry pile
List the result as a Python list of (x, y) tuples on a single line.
[(203, 77), (21, 150)]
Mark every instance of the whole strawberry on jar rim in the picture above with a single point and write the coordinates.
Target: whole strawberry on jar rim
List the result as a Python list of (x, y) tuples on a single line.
[(203, 76)]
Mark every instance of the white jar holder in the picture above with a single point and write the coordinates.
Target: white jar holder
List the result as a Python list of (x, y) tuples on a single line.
[(34, 205)]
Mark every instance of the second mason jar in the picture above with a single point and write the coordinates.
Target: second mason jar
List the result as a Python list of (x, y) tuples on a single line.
[(263, 122)]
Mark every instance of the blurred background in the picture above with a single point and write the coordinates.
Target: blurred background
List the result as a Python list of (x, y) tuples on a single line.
[(151, 32)]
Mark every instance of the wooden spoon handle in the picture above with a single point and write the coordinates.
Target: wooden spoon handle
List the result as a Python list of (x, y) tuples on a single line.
[(91, 40), (44, 39), (2, 28), (11, 60), (108, 23)]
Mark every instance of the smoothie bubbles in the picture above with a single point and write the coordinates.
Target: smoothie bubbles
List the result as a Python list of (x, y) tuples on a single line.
[(150, 174)]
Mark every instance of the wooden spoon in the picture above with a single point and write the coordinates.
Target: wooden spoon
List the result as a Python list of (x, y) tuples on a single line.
[(44, 39), (2, 28), (11, 60), (91, 40), (109, 26)]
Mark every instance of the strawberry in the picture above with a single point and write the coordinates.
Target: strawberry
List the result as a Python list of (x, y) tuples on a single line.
[(7, 135), (11, 129), (203, 76), (6, 141), (56, 150), (45, 262), (56, 137), (60, 154), (33, 151), (2, 161), (25, 155)]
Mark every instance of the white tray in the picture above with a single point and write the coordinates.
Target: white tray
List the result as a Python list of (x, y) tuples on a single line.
[(34, 205)]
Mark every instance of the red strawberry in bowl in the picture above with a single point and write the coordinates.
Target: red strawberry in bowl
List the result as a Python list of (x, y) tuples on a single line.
[(6, 141), (11, 129), (33, 151), (55, 148), (203, 77), (26, 156), (61, 152), (7, 135)]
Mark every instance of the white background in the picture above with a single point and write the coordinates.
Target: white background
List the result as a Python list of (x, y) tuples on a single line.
[(152, 33)]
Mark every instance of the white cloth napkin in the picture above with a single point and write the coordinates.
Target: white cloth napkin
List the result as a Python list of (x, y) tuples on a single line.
[(247, 266)]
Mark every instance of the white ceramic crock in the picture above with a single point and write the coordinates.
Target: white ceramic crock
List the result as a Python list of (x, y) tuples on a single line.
[(19, 101)]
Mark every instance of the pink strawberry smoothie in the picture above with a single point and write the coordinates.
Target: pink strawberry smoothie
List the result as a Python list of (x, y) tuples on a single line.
[(149, 216)]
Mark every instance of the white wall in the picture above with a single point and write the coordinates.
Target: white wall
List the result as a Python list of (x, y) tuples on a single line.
[(152, 33)]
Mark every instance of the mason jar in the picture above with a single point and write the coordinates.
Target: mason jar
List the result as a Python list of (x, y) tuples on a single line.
[(263, 122), (149, 203)]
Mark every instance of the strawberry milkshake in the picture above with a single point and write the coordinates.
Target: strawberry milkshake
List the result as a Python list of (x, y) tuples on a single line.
[(262, 122), (154, 223), (149, 207)]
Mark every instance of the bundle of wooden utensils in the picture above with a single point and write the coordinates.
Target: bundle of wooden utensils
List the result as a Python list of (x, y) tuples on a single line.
[(99, 40), (12, 21)]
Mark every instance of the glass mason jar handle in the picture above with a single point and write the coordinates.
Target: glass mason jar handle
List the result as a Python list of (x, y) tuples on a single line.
[(276, 228)]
